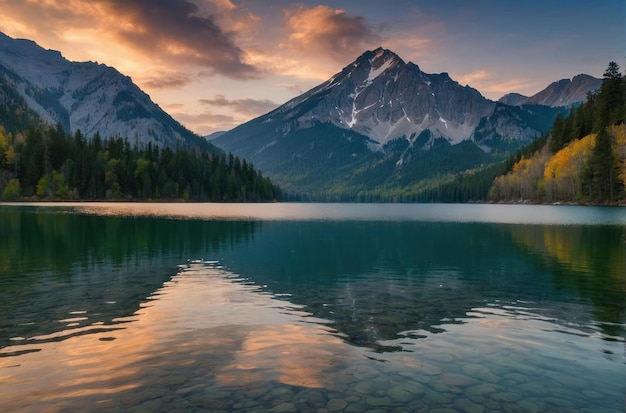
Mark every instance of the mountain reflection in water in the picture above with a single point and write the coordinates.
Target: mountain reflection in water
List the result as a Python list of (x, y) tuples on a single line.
[(111, 311)]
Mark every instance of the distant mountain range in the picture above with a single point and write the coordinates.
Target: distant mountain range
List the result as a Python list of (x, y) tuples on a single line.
[(564, 92), (382, 123), (89, 97)]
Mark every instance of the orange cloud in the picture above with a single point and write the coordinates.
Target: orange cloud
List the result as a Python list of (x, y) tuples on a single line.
[(474, 77), (249, 107), (172, 32), (494, 86), (328, 31), (208, 122)]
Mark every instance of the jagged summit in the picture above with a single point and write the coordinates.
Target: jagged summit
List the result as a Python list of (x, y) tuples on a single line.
[(384, 98), (379, 60)]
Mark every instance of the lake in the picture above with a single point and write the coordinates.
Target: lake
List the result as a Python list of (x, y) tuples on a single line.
[(312, 308)]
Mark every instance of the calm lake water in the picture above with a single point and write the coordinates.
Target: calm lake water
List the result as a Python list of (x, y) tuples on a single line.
[(312, 308)]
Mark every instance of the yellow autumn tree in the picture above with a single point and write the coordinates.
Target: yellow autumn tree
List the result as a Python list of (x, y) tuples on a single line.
[(562, 173), (521, 184)]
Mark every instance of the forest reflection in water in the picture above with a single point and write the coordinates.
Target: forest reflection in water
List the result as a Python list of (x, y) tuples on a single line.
[(196, 307)]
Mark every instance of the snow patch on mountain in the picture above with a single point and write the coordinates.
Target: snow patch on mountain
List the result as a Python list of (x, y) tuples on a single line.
[(375, 72)]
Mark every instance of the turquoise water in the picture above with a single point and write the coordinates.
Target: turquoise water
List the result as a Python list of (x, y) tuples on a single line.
[(312, 307)]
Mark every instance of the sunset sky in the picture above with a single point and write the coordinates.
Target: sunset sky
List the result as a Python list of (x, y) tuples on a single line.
[(213, 64)]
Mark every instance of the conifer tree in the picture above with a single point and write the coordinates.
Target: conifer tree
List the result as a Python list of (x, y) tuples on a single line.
[(611, 100), (601, 176), (558, 140)]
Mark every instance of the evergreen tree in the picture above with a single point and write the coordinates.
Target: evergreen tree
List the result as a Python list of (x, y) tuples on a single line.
[(558, 134), (601, 173), (611, 100)]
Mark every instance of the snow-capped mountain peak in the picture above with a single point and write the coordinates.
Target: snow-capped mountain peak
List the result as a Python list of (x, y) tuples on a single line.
[(384, 98)]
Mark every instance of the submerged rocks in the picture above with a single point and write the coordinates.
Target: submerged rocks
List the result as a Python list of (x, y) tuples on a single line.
[(483, 389), (336, 405)]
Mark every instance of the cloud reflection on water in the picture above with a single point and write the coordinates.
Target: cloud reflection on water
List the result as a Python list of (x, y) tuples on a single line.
[(204, 323)]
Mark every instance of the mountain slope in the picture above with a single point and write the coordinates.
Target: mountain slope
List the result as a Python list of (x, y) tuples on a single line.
[(15, 115), (88, 96), (382, 97), (382, 123), (564, 92)]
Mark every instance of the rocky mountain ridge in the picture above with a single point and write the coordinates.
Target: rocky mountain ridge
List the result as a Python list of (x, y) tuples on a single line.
[(87, 96), (564, 92), (382, 97)]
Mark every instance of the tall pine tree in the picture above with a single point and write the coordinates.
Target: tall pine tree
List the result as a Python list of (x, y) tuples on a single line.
[(601, 175), (611, 100)]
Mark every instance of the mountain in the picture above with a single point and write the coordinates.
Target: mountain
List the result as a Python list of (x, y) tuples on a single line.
[(382, 97), (89, 97), (382, 123), (15, 115), (564, 92), (214, 135), (512, 99)]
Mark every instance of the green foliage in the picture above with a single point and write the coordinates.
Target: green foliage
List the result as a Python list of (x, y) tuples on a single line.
[(51, 164), (11, 191), (595, 177)]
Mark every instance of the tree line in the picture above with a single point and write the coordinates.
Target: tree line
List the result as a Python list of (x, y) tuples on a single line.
[(583, 159), (48, 163)]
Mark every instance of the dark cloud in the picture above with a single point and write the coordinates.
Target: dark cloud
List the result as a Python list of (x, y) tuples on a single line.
[(176, 31), (330, 31), (250, 107), (167, 80)]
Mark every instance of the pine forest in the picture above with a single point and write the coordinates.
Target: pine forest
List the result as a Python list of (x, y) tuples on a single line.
[(583, 159), (51, 164)]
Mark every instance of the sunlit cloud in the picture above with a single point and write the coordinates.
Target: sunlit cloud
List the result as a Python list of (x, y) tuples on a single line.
[(175, 31), (174, 106), (208, 122), (494, 86), (292, 87), (328, 32), (475, 77), (312, 44), (250, 107), (166, 32)]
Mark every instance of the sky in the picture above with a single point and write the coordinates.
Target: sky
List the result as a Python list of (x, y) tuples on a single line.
[(214, 64)]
